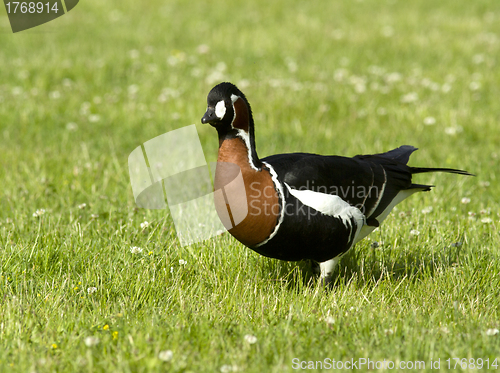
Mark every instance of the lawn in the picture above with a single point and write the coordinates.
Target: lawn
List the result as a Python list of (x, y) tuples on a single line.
[(91, 283)]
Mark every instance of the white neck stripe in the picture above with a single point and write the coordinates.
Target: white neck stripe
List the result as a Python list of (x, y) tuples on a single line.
[(281, 198), (246, 138)]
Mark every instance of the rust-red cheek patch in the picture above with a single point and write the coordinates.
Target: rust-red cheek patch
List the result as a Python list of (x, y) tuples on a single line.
[(242, 116)]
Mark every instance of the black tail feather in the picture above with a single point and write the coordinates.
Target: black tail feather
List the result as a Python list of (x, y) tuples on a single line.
[(419, 170)]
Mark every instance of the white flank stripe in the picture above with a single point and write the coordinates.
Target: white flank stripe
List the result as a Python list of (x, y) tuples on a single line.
[(328, 204), (402, 195), (281, 197), (332, 205), (381, 194)]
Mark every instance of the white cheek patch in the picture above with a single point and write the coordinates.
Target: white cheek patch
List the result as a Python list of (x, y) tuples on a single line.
[(220, 109), (234, 98)]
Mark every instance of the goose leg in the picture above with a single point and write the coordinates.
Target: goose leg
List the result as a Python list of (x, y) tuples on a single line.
[(315, 267), (326, 270)]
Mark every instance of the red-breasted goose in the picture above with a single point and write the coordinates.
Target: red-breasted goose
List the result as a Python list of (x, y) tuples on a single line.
[(300, 205)]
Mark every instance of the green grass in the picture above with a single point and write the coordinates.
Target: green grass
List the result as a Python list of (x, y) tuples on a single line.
[(332, 78)]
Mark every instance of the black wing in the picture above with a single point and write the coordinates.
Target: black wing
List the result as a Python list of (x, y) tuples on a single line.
[(369, 182)]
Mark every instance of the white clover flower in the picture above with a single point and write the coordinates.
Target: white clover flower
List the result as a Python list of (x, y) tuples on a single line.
[(478, 59), (144, 225), (292, 65), (465, 200), (166, 355), (446, 87), (427, 210), (132, 89), (91, 290), (474, 86), (387, 31), (94, 118), (54, 95), (340, 74), (229, 368), (409, 98), (486, 220), (360, 87), (85, 108), (16, 91), (251, 339), (23, 74), (202, 49), (330, 320), (414, 232), (429, 121), (82, 206), (492, 331), (376, 70), (71, 126), (182, 262), (135, 250), (134, 54), (91, 341), (115, 15), (453, 130), (214, 77), (38, 213), (393, 77)]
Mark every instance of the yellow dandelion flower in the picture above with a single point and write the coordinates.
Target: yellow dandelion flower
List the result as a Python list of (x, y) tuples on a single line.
[(115, 335), (54, 346), (105, 327)]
